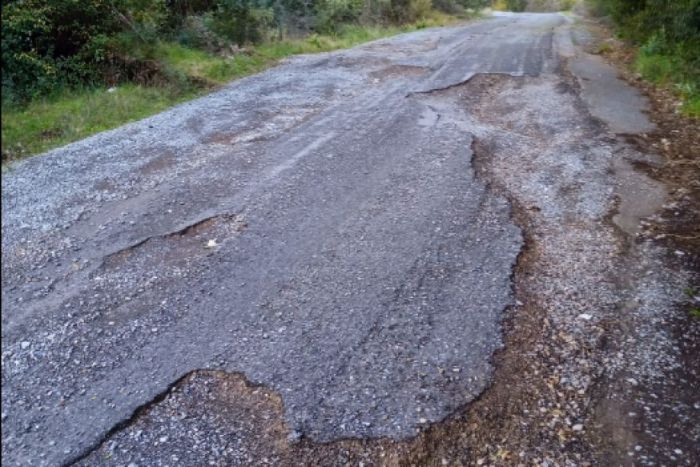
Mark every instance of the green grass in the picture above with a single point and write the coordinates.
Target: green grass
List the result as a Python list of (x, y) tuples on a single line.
[(71, 115), (667, 70)]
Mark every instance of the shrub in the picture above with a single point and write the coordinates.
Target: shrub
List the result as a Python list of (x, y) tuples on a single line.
[(331, 14), (516, 5), (408, 11), (47, 45), (240, 21), (447, 6), (475, 4), (420, 9)]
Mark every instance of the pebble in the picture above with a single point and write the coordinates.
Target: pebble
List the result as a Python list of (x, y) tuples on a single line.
[(577, 427), (294, 436), (25, 345), (585, 316)]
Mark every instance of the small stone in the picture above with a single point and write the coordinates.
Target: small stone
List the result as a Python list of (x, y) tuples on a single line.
[(423, 420), (163, 439), (294, 436), (678, 451), (585, 316), (577, 427), (632, 381), (25, 345)]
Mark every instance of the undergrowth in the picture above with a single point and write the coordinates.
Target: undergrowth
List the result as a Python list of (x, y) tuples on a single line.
[(671, 71)]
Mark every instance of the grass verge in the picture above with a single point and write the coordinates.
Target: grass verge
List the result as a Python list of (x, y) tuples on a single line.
[(672, 72), (71, 115)]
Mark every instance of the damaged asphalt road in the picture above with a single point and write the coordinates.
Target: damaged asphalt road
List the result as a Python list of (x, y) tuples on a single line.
[(326, 231)]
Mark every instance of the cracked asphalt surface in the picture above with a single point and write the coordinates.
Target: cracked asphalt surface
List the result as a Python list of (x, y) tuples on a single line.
[(318, 228)]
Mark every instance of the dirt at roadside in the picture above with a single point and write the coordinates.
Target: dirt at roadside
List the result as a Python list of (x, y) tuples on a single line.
[(676, 139)]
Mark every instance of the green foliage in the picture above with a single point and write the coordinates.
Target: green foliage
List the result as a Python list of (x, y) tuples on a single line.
[(49, 45), (674, 71), (49, 122), (241, 21), (475, 4), (332, 14), (668, 33), (672, 22), (516, 5), (406, 11)]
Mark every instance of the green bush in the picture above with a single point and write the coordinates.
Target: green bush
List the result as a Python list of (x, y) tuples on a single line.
[(408, 11), (668, 33), (49, 45), (241, 21), (332, 14), (516, 5), (196, 32), (447, 6)]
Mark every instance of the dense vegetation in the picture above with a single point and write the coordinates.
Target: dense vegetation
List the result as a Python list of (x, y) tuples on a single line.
[(66, 43), (668, 34), (74, 67)]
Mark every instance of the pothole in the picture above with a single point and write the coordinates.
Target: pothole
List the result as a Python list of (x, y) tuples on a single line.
[(510, 417), (191, 241), (536, 147)]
